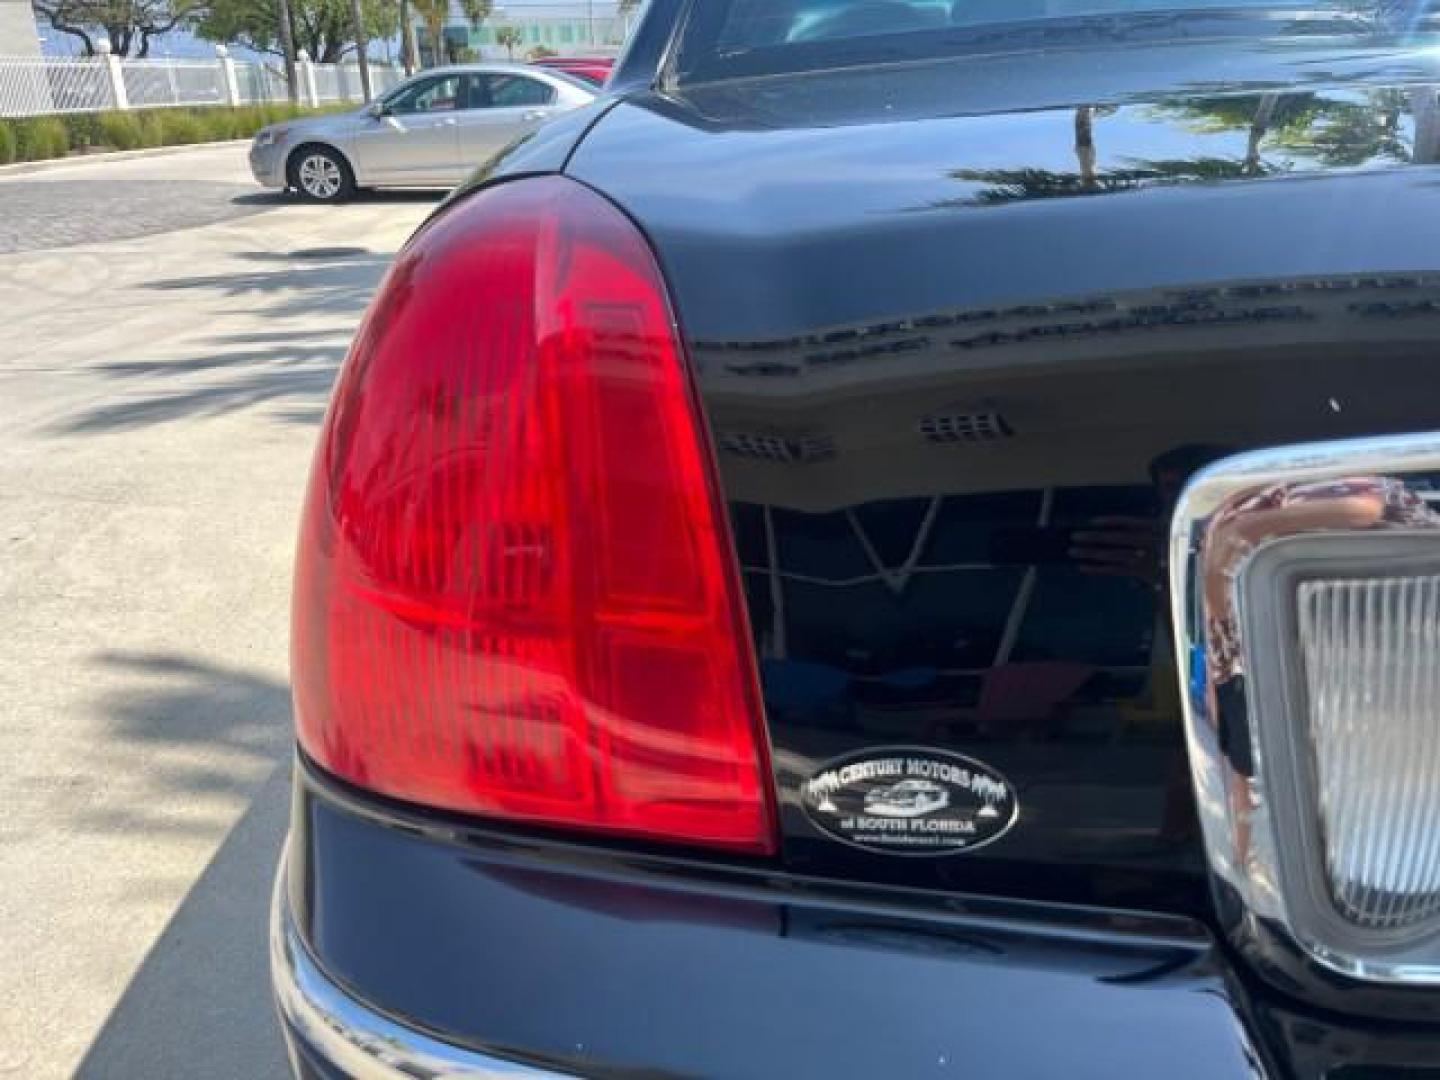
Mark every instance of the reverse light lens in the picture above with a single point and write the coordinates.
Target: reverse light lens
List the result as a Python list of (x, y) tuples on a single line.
[(1305, 587), (515, 592), (1370, 653), (1341, 634)]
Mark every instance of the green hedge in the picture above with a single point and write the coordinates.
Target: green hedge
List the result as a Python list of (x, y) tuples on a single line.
[(36, 138)]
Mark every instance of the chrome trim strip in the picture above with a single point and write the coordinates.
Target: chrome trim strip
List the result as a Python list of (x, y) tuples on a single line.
[(354, 1038), (1229, 512)]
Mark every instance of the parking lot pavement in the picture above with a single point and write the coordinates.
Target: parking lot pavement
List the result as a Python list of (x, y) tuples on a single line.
[(80, 202), (159, 395)]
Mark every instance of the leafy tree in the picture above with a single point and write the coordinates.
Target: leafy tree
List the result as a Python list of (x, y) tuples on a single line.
[(323, 28), (511, 38), (1353, 132), (129, 25)]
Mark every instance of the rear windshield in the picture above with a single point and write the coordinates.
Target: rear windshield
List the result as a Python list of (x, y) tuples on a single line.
[(755, 37)]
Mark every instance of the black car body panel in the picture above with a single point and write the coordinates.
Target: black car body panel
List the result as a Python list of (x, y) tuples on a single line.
[(613, 963), (941, 341), (945, 319)]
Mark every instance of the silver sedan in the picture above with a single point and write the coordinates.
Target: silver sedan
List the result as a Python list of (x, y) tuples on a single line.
[(430, 131)]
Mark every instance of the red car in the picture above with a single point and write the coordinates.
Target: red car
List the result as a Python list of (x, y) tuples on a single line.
[(593, 69)]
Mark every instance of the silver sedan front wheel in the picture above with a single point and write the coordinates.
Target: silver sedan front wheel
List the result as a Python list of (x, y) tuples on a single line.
[(321, 175)]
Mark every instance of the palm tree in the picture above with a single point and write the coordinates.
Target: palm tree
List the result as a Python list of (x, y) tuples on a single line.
[(1275, 117), (434, 13), (1425, 107), (1085, 144), (510, 37), (1259, 126), (1020, 185), (1329, 131), (1349, 133), (1337, 132), (1085, 117), (408, 60)]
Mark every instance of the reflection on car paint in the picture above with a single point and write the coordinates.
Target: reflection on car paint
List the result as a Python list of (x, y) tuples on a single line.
[(1022, 330)]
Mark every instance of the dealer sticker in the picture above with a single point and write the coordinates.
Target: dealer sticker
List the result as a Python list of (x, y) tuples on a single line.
[(904, 800)]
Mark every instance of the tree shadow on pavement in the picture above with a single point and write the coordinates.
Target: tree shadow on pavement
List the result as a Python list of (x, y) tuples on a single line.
[(237, 720), (345, 282), (200, 1003), (272, 337), (298, 379), (181, 699), (239, 370), (292, 355)]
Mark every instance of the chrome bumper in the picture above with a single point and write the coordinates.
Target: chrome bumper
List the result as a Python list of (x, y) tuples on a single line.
[(352, 1038)]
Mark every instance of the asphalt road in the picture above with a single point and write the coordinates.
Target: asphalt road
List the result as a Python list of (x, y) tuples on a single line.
[(168, 336)]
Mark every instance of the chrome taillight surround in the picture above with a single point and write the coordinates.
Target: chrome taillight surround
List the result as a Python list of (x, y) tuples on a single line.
[(1305, 591)]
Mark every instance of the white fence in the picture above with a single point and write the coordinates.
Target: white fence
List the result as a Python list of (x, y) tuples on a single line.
[(35, 86), (155, 83)]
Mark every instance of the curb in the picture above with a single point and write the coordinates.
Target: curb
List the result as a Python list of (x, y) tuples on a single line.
[(22, 167)]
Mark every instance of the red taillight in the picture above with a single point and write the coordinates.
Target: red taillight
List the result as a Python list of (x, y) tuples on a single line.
[(515, 593)]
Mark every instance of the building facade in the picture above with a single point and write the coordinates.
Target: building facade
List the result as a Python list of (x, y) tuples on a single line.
[(18, 35), (566, 29)]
